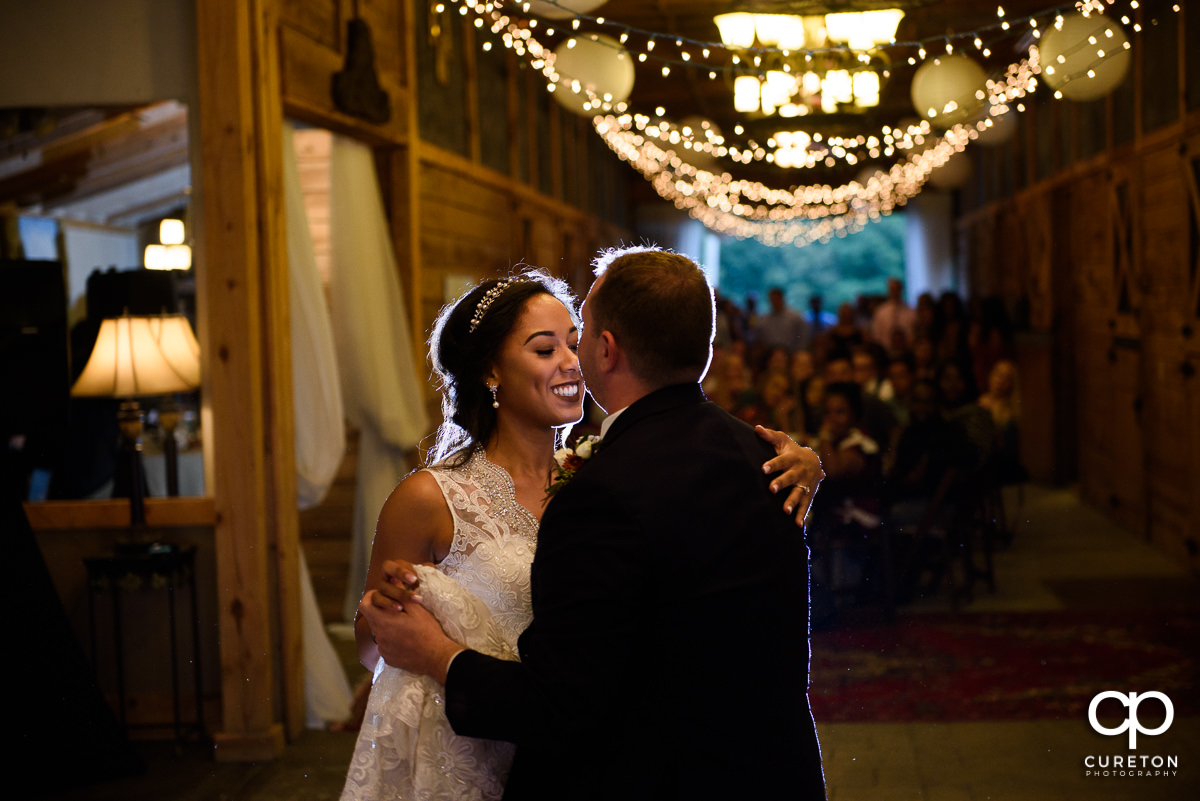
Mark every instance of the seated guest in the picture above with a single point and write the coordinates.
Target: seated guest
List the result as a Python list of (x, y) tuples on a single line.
[(930, 455), (867, 362), (1003, 401), (812, 400), (930, 459), (801, 368), (780, 409), (956, 385), (802, 373), (990, 337), (900, 376), (847, 506), (845, 334), (728, 383), (846, 451), (875, 417), (950, 341), (924, 355), (777, 361), (928, 317)]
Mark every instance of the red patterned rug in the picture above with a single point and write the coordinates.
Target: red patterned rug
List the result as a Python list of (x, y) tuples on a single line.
[(1012, 666)]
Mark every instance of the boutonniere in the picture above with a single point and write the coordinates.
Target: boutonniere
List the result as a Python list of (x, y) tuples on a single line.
[(569, 460)]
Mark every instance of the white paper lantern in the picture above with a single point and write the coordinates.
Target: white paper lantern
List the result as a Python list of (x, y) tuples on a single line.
[(947, 90), (595, 63), (1086, 58), (563, 9)]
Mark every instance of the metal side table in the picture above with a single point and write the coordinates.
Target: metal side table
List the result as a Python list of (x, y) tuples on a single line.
[(155, 566)]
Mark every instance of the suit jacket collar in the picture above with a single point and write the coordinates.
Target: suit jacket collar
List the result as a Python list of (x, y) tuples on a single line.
[(658, 401)]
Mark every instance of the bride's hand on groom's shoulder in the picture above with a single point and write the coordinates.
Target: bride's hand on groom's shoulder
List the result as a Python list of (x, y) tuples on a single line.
[(798, 468)]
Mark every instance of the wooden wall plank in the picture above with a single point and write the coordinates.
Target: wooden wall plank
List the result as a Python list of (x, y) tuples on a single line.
[(114, 514), (319, 20), (283, 522)]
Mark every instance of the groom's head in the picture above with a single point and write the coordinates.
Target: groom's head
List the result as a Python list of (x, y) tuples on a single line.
[(656, 307)]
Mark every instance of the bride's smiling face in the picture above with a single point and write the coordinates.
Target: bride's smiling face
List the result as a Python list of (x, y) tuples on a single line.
[(537, 368)]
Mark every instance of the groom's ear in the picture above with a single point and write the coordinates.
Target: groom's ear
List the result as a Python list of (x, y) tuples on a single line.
[(608, 351)]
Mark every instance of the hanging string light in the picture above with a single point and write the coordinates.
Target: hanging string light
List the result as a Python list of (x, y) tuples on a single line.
[(663, 151)]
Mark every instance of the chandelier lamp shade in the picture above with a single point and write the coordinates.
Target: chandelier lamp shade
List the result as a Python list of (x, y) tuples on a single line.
[(800, 65), (744, 30), (863, 30)]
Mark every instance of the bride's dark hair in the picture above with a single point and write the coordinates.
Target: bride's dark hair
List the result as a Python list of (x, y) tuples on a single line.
[(462, 357)]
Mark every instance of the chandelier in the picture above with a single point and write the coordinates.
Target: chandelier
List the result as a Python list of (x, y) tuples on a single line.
[(793, 66)]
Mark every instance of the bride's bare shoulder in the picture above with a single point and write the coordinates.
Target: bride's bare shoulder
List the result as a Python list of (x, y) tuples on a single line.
[(416, 513)]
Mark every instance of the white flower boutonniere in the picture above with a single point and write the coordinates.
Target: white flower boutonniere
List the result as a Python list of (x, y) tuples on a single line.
[(569, 460)]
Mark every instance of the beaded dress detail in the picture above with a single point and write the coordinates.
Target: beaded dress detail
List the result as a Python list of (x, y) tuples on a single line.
[(480, 594)]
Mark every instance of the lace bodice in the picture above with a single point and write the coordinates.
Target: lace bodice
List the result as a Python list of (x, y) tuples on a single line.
[(480, 594), (494, 540)]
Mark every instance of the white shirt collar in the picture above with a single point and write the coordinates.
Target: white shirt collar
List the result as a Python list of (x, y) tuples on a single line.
[(608, 421)]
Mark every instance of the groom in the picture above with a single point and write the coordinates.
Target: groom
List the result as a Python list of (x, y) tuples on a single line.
[(668, 653)]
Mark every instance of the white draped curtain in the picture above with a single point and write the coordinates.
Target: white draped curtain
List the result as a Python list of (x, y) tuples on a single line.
[(380, 377), (320, 435)]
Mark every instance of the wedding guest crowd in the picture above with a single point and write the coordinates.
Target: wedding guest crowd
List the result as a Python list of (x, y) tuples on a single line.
[(888, 395)]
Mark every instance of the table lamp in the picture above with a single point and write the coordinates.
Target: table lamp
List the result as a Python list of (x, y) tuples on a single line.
[(180, 348), (139, 356)]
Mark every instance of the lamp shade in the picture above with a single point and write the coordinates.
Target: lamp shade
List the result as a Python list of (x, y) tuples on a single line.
[(1085, 58), (170, 232), (862, 30), (128, 360), (737, 28), (178, 346)]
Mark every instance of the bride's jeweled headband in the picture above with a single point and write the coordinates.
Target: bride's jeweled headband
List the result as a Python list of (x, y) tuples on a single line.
[(488, 299)]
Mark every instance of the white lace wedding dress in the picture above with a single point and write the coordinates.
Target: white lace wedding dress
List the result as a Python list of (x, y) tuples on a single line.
[(480, 594)]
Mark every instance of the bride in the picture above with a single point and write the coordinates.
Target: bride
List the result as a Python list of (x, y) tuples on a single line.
[(506, 357)]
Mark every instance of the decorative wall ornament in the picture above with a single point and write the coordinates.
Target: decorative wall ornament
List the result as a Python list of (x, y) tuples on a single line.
[(356, 88)]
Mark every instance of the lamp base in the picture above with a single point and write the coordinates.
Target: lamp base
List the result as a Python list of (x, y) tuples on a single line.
[(130, 479)]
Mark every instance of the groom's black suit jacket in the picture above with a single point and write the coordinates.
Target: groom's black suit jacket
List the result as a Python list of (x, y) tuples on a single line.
[(668, 654)]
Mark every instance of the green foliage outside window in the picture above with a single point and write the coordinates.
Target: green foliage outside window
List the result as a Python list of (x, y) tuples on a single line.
[(840, 270)]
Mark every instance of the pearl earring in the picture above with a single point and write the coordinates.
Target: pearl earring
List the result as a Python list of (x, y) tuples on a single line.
[(495, 403)]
